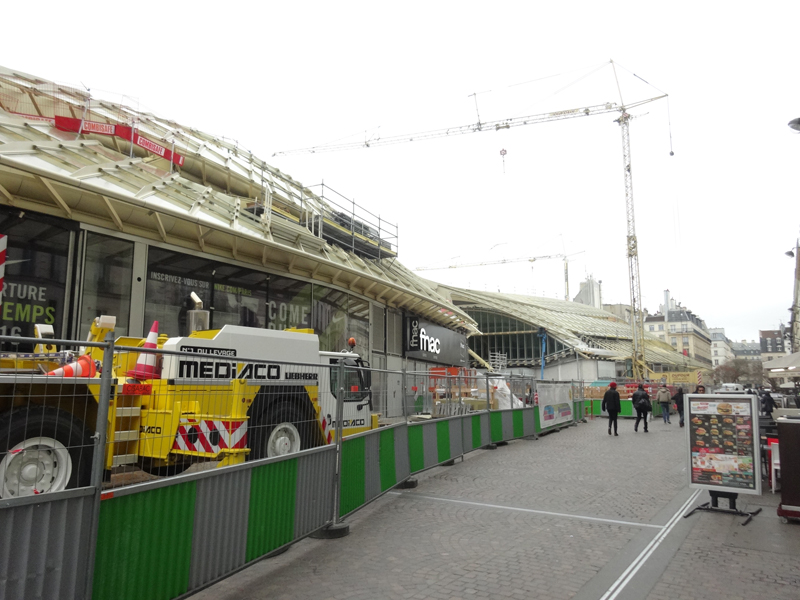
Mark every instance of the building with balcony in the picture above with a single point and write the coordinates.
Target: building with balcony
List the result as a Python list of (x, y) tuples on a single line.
[(685, 331)]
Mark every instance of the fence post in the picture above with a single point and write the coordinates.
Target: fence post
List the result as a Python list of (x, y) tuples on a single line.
[(99, 454), (488, 394), (404, 393), (535, 401), (336, 529), (491, 445)]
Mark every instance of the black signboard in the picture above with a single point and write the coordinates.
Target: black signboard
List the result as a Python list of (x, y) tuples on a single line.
[(722, 433), (425, 341)]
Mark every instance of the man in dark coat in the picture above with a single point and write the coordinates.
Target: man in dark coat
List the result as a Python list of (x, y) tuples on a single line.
[(612, 405), (678, 399), (641, 404), (768, 403)]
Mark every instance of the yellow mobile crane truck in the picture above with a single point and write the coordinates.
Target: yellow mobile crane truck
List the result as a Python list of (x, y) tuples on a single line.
[(210, 405)]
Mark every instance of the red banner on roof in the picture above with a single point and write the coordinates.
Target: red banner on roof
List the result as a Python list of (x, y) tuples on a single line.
[(120, 131)]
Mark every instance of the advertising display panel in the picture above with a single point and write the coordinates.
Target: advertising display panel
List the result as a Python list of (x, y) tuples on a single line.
[(555, 403), (722, 434)]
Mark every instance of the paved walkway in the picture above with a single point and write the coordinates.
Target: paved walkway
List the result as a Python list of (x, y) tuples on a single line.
[(574, 515)]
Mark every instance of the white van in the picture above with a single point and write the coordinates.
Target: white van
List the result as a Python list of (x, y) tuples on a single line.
[(731, 388)]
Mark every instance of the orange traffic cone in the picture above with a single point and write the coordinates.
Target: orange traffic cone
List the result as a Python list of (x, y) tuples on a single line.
[(146, 363), (83, 367)]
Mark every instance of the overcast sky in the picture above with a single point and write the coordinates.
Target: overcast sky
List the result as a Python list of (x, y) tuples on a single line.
[(713, 221)]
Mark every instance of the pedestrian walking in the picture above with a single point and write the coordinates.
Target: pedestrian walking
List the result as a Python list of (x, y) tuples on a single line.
[(612, 406), (664, 399), (641, 402), (768, 403), (678, 399)]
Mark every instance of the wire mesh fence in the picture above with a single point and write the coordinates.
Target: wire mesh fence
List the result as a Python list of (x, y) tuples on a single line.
[(166, 412), (200, 411), (48, 413)]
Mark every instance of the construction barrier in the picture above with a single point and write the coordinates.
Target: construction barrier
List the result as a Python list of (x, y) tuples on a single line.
[(162, 528)]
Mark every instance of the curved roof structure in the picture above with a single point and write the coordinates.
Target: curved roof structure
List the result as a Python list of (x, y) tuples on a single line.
[(67, 154), (590, 331)]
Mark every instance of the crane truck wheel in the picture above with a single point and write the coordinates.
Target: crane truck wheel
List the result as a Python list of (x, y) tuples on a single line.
[(279, 431), (43, 450)]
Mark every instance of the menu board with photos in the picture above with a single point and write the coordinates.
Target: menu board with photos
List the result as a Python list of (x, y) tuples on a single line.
[(722, 430)]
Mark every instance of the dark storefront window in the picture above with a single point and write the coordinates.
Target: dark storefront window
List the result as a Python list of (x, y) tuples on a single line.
[(378, 328), (239, 297), (289, 303), (108, 269), (37, 256), (234, 295)]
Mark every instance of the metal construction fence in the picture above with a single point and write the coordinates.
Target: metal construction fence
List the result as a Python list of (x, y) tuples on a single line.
[(134, 472)]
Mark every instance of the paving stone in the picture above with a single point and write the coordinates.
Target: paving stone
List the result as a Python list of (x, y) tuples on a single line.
[(457, 535)]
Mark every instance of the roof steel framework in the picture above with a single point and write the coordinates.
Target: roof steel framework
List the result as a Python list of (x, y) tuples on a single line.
[(222, 201)]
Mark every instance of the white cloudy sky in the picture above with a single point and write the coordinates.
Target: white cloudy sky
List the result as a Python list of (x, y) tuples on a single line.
[(713, 221)]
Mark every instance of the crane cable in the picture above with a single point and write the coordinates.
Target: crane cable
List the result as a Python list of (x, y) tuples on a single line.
[(669, 117)]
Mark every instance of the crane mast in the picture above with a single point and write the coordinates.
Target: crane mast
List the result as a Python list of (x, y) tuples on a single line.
[(637, 323)]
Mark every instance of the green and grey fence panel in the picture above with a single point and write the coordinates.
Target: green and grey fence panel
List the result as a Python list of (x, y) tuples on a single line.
[(450, 442), (168, 537), (352, 480), (372, 462), (626, 409), (290, 497), (144, 542), (502, 427), (44, 544), (523, 422), (315, 490), (475, 431), (432, 443), (220, 526)]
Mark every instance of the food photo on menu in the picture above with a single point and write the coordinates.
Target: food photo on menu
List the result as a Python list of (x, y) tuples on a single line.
[(721, 438)]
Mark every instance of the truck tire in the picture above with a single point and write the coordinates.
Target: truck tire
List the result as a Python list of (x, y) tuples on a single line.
[(43, 450), (278, 432)]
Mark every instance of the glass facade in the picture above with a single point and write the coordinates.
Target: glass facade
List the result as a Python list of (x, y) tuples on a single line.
[(52, 261), (518, 340), (36, 267), (107, 276), (241, 296), (330, 317), (358, 323), (289, 303)]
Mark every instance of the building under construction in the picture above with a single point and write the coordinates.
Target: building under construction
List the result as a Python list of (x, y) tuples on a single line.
[(108, 210)]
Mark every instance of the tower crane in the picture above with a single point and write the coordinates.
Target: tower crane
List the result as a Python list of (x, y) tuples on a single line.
[(513, 260), (637, 324)]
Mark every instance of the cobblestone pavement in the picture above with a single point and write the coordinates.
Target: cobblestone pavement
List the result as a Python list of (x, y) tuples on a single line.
[(577, 514)]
